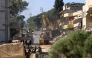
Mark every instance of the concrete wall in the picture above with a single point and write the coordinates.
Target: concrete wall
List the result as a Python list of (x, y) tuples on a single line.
[(75, 8), (4, 18), (86, 20), (72, 7), (88, 2), (89, 22)]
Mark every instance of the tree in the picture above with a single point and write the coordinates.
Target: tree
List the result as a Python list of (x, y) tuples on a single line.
[(38, 18), (20, 20), (17, 6), (71, 46), (58, 7), (50, 14), (88, 48), (31, 24)]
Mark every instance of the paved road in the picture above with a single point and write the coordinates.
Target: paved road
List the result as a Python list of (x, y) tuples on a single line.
[(45, 48), (33, 55)]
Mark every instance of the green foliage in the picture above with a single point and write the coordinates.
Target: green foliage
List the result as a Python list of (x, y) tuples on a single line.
[(77, 39), (52, 14), (88, 47), (31, 24), (38, 19), (17, 6), (71, 46), (19, 20), (59, 48), (20, 17), (58, 6)]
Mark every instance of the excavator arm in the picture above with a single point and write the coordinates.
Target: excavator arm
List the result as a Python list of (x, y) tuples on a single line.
[(46, 20)]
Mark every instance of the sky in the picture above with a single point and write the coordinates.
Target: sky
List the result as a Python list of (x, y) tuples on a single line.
[(34, 6)]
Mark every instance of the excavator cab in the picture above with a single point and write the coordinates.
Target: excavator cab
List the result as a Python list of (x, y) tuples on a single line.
[(44, 38), (41, 39)]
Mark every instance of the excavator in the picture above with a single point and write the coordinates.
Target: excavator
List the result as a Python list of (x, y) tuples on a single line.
[(47, 35)]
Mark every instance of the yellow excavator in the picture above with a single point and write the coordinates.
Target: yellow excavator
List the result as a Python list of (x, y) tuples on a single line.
[(46, 34)]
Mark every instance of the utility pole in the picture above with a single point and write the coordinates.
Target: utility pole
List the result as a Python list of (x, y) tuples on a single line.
[(7, 17), (30, 15), (41, 9)]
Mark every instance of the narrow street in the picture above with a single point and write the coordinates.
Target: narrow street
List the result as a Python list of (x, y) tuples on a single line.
[(33, 28)]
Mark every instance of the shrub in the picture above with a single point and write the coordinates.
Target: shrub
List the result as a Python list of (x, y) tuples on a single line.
[(88, 47), (70, 46)]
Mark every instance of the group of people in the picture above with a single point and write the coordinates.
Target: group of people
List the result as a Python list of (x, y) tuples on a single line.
[(27, 42), (36, 50), (44, 38)]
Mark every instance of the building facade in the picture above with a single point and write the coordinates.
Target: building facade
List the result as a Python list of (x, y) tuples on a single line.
[(87, 14), (4, 21), (80, 15), (73, 14)]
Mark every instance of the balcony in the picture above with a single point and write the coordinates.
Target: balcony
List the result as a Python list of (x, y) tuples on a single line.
[(77, 13), (68, 14), (68, 26)]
